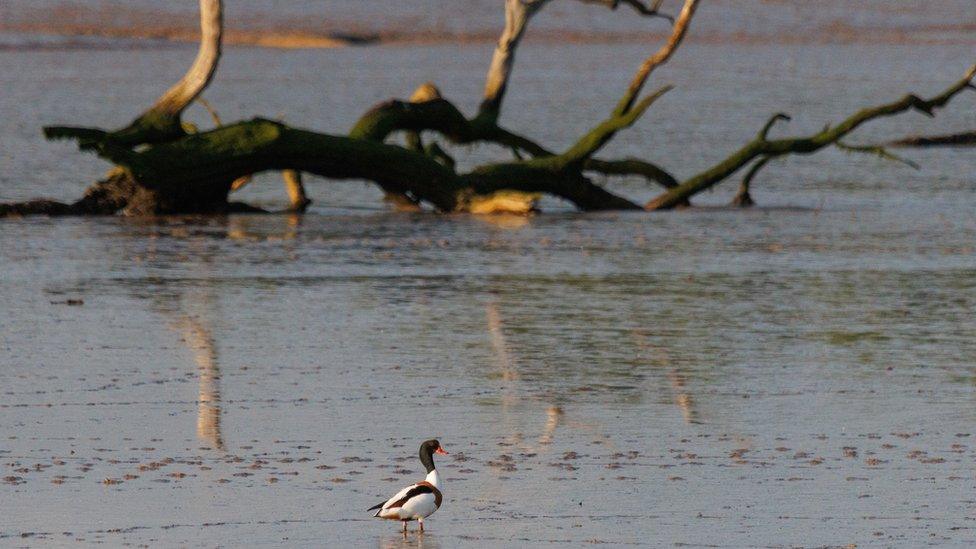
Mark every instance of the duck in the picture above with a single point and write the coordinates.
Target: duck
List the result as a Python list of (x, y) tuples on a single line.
[(417, 501)]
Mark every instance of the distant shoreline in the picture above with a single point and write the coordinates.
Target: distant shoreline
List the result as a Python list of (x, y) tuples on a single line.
[(277, 39)]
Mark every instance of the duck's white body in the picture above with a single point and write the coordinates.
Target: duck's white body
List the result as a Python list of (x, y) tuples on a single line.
[(417, 501)]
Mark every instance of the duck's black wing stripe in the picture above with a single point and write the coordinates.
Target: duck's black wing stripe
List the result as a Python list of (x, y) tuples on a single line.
[(377, 506), (414, 492)]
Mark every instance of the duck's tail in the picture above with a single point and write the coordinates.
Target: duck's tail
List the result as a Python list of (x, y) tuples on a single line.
[(378, 507)]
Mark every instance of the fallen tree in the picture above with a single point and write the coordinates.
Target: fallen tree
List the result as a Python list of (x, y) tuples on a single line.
[(163, 166)]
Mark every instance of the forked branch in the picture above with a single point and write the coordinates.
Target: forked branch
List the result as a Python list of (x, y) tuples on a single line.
[(518, 13), (761, 146), (659, 58)]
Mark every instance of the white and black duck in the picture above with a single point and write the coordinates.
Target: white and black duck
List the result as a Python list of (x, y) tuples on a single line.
[(417, 501)]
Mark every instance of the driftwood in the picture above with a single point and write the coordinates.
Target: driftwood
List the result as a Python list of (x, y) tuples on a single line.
[(163, 167)]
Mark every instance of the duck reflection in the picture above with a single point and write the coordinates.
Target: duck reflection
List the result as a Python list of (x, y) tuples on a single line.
[(554, 415), (415, 540)]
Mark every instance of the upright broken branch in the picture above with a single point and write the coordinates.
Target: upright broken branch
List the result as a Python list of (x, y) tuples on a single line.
[(298, 201), (162, 120), (517, 15)]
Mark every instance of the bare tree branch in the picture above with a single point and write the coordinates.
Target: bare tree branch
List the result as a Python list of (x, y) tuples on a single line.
[(659, 58), (640, 7), (876, 150), (517, 16), (629, 109), (653, 11), (180, 95), (743, 198), (965, 139), (431, 112), (632, 166), (599, 136)]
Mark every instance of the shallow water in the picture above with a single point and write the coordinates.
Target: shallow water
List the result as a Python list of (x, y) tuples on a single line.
[(800, 374)]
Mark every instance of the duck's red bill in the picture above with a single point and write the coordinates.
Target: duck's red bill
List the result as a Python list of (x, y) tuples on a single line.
[(440, 451)]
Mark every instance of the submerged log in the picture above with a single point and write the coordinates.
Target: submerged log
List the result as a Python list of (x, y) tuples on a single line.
[(105, 197), (163, 168), (197, 171)]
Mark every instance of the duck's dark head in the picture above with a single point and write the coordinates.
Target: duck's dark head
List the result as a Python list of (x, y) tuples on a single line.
[(427, 451)]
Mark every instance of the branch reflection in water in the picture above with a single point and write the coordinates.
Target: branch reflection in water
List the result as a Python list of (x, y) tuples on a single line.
[(508, 373), (681, 395), (200, 340), (506, 360), (193, 311)]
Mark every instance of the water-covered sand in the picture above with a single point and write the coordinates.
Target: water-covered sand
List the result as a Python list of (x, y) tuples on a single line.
[(800, 374)]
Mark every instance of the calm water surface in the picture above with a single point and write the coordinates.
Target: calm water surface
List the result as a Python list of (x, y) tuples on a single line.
[(800, 374)]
